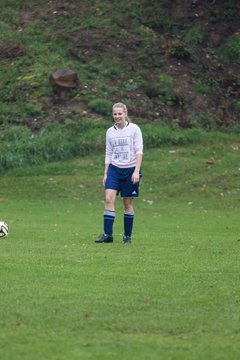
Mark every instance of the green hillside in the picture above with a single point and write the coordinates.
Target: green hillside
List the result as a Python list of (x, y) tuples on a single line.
[(175, 61)]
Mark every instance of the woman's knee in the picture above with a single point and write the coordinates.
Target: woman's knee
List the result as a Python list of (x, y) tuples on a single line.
[(128, 204), (110, 198)]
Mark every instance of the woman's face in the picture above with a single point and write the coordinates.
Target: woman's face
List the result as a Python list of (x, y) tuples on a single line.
[(119, 116)]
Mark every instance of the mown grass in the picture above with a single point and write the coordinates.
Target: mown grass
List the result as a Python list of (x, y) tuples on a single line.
[(172, 294)]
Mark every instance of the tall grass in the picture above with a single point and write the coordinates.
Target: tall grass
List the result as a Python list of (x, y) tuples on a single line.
[(19, 147)]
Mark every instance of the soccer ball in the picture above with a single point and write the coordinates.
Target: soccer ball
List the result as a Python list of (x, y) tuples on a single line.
[(3, 229)]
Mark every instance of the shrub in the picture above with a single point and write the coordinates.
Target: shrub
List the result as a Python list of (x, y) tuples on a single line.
[(203, 120), (154, 16), (236, 105), (31, 109), (164, 86), (230, 50), (193, 36), (229, 11), (101, 106), (163, 89), (202, 88), (178, 49)]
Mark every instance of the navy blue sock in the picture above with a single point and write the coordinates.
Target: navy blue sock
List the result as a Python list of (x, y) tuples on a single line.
[(109, 217), (128, 222)]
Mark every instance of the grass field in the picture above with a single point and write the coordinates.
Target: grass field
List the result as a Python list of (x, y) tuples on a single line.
[(172, 294)]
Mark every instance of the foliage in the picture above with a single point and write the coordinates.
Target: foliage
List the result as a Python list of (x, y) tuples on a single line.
[(178, 49), (205, 86), (163, 89), (193, 36), (155, 16), (203, 120), (230, 50), (101, 106), (236, 105), (228, 11), (202, 88)]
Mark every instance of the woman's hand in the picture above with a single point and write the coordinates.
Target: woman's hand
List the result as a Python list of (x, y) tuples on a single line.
[(135, 176), (104, 179), (105, 174)]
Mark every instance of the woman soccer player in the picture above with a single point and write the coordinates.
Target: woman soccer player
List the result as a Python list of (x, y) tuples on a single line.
[(123, 159)]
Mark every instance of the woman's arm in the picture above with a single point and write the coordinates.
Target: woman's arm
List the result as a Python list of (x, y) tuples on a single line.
[(135, 175), (105, 174)]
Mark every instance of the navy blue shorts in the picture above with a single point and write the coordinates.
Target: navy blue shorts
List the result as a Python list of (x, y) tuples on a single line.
[(120, 179)]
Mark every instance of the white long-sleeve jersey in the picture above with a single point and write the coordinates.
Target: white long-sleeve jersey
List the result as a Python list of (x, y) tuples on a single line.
[(122, 145)]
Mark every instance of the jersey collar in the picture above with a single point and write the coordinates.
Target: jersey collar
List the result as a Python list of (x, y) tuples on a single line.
[(116, 128)]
